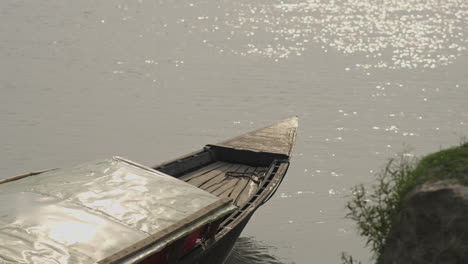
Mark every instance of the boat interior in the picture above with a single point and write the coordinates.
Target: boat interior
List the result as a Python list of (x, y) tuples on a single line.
[(224, 172)]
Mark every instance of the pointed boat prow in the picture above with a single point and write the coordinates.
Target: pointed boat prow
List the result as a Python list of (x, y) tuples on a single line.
[(278, 138)]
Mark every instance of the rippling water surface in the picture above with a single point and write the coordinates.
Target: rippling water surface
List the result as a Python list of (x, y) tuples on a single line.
[(151, 80), (248, 250)]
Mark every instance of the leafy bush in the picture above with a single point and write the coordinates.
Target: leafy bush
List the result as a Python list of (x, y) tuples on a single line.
[(348, 259), (374, 208)]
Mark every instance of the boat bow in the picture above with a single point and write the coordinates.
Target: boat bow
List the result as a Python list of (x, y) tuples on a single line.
[(278, 138)]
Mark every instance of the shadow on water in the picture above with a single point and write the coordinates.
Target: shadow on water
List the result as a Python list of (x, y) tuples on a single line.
[(249, 251)]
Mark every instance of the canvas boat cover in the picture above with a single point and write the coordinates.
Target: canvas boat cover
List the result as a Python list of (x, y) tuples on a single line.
[(91, 211)]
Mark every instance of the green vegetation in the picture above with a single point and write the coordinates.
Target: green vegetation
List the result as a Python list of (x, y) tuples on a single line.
[(374, 208), (348, 259), (450, 164)]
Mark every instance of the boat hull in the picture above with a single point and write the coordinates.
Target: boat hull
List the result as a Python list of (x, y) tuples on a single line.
[(219, 251)]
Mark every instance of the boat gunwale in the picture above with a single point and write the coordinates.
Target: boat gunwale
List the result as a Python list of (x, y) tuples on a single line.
[(22, 176), (265, 191), (162, 234)]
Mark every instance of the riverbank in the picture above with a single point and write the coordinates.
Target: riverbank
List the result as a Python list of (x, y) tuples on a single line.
[(410, 199)]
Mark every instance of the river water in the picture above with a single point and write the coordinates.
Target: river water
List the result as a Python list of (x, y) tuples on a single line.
[(152, 80)]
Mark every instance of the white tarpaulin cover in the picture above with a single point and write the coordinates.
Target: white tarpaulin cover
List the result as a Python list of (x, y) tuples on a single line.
[(86, 213)]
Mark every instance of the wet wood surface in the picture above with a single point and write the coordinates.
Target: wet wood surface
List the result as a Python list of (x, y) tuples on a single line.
[(217, 180), (240, 186), (205, 177), (203, 170), (278, 138)]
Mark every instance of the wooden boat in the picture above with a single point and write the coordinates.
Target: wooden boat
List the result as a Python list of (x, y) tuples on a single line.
[(265, 152), (237, 176)]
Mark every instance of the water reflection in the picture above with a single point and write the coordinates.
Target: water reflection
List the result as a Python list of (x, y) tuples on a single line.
[(249, 251), (393, 34)]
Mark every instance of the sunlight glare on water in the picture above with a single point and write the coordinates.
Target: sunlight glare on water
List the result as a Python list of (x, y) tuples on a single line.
[(393, 34)]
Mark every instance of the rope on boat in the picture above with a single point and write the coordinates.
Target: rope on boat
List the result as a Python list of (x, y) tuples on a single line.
[(256, 177)]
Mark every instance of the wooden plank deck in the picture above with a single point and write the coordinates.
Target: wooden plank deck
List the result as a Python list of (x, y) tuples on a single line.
[(238, 191), (206, 176), (278, 138), (223, 180), (203, 170), (214, 178)]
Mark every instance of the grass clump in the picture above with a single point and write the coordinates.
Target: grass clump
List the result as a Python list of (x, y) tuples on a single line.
[(449, 164), (374, 208)]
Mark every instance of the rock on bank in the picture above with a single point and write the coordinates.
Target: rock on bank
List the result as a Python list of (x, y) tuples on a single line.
[(431, 227)]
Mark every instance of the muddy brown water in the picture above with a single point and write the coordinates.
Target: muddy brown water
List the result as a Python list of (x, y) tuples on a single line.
[(152, 80)]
